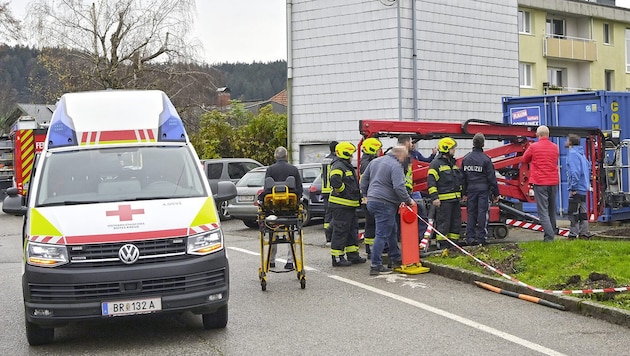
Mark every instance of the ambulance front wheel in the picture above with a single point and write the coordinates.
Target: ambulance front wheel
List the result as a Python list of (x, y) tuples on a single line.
[(216, 320), (37, 335)]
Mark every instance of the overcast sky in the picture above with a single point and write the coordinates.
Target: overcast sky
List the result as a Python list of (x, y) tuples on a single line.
[(238, 30), (231, 30)]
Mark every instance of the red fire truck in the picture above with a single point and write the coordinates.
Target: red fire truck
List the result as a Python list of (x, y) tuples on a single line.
[(27, 136)]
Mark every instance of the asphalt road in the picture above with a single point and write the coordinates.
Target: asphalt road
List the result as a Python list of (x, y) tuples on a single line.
[(342, 311)]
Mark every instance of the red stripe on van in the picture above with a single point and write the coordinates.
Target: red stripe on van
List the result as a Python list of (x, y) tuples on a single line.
[(130, 236)]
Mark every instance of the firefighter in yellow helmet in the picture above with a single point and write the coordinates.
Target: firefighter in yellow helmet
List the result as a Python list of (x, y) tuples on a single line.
[(326, 189), (445, 181), (370, 148), (344, 199)]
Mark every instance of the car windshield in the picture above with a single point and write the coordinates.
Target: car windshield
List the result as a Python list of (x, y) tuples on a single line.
[(252, 179), (114, 174)]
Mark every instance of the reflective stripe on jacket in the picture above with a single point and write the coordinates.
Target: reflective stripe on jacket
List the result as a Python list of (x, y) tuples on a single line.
[(345, 186), (326, 163), (444, 179)]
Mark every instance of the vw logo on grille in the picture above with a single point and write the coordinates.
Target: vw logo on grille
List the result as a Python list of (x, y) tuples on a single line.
[(129, 254)]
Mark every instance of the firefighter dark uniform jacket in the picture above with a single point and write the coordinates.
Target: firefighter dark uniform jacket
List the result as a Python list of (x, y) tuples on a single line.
[(326, 164), (444, 179), (345, 185), (365, 160), (479, 173)]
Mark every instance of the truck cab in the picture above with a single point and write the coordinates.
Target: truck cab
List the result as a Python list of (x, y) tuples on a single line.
[(119, 218)]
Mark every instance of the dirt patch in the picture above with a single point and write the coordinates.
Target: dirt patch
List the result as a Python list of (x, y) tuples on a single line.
[(506, 265), (509, 265), (594, 281), (616, 232)]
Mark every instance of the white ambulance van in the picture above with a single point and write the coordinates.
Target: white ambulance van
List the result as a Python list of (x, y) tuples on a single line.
[(119, 218)]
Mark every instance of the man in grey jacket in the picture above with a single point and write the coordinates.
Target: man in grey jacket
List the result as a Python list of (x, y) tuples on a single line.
[(383, 185)]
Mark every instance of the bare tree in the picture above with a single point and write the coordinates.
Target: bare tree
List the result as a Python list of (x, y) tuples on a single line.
[(116, 40), (9, 30), (9, 25), (121, 44)]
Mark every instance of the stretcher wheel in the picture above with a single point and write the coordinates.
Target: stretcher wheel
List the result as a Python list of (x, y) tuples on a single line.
[(303, 283), (263, 285)]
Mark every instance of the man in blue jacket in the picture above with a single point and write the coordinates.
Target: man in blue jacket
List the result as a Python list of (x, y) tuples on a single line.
[(383, 185), (578, 183)]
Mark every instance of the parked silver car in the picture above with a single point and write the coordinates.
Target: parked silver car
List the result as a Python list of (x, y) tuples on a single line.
[(226, 169), (244, 207)]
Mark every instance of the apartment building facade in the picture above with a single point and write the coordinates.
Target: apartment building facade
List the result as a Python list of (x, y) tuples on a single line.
[(438, 60), (568, 46)]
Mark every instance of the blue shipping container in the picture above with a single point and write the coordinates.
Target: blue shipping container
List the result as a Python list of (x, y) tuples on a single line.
[(600, 109)]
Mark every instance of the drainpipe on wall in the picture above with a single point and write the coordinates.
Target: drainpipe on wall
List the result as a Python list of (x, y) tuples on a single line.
[(289, 82), (399, 64), (414, 59)]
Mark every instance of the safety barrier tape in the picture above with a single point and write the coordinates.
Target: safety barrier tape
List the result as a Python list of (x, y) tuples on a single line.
[(506, 276), (424, 244), (536, 227)]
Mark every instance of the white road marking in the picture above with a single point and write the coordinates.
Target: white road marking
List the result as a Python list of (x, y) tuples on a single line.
[(473, 324), (306, 268), (457, 318)]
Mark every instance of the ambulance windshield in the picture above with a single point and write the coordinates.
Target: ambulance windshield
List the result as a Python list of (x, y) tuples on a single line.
[(121, 173)]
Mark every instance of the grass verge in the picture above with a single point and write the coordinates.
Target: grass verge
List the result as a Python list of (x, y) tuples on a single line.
[(558, 265)]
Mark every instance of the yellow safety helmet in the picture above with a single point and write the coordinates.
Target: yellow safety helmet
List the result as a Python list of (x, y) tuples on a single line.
[(345, 150), (371, 146), (445, 144)]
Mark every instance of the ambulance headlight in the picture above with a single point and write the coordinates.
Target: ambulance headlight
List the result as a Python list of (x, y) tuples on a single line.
[(46, 255), (205, 243)]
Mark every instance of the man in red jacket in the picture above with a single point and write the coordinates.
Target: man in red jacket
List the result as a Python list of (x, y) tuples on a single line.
[(542, 157)]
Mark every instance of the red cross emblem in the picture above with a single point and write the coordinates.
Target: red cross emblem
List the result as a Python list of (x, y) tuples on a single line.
[(124, 212)]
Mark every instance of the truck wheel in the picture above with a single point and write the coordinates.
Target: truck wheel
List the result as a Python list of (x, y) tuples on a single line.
[(36, 335), (500, 232), (216, 320)]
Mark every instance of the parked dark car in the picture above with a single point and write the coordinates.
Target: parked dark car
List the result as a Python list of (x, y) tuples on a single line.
[(227, 169), (315, 198), (243, 206)]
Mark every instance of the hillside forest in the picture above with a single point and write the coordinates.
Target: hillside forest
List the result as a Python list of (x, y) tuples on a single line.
[(24, 78)]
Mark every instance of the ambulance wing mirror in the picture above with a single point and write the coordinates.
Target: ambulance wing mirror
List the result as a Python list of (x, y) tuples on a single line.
[(13, 203), (226, 190)]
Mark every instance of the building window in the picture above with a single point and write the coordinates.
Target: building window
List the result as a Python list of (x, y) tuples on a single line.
[(627, 50), (525, 75), (608, 79), (524, 22), (555, 28), (556, 77), (607, 34)]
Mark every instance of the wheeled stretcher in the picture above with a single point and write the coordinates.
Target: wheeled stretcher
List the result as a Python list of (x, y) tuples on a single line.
[(280, 222)]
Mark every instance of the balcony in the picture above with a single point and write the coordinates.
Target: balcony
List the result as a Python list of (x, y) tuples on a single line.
[(554, 89), (573, 48)]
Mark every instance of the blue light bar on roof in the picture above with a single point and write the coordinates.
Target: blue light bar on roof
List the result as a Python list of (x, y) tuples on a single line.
[(61, 131), (171, 126)]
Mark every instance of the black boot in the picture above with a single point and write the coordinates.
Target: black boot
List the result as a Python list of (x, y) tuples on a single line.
[(368, 250), (355, 258), (340, 261)]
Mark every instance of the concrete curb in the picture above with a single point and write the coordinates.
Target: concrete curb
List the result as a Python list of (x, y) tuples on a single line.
[(572, 304)]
